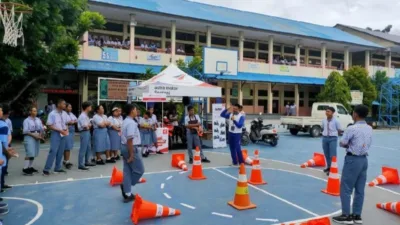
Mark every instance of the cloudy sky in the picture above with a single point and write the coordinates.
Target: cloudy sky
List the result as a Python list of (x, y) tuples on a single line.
[(362, 13)]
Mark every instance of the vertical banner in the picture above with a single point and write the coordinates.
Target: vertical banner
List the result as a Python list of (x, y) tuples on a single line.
[(219, 126), (162, 139)]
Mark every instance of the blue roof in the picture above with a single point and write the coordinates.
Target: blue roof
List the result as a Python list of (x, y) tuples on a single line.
[(235, 17), (257, 77), (92, 65)]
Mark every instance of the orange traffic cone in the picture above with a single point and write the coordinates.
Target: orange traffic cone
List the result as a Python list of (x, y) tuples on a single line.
[(197, 169), (321, 221), (178, 160), (317, 160), (393, 207), (143, 209), (333, 186), (241, 200), (117, 177), (389, 176), (256, 176), (246, 157)]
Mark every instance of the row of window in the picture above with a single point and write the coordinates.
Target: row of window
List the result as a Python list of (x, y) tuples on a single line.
[(264, 93), (264, 102)]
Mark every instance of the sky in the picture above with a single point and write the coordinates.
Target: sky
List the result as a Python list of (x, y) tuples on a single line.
[(376, 14)]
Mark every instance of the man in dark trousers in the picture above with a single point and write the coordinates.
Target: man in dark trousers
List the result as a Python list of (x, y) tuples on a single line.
[(331, 130), (357, 141)]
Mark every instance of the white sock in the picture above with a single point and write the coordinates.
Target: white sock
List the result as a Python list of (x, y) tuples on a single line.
[(128, 194), (26, 164), (30, 163)]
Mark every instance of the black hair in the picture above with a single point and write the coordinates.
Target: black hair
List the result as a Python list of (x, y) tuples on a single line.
[(240, 107), (98, 107), (361, 111), (67, 104), (32, 107), (189, 108), (60, 101), (85, 105), (128, 108), (236, 105), (147, 113), (6, 109), (330, 108)]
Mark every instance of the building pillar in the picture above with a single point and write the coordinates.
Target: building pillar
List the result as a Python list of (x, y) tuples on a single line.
[(329, 58), (388, 58), (281, 98), (255, 98), (306, 98), (163, 38), (323, 55), (240, 94), (350, 59), (282, 50), (228, 42), (173, 41), (132, 39), (296, 98), (227, 94), (257, 49), (197, 39), (367, 59), (208, 36), (270, 52), (346, 58), (125, 30), (298, 53), (85, 45), (270, 98), (306, 59), (241, 45), (84, 86)]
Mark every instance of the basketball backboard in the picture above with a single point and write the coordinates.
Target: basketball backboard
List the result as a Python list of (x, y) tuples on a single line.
[(217, 61)]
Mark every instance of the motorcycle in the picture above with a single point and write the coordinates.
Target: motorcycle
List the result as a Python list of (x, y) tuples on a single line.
[(264, 133), (245, 140)]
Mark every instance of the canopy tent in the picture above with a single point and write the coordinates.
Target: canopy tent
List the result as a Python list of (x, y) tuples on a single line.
[(173, 82)]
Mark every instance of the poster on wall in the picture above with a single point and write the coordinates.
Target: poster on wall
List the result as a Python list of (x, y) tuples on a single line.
[(219, 126)]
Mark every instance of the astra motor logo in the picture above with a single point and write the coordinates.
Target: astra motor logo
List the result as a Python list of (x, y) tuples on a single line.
[(180, 77)]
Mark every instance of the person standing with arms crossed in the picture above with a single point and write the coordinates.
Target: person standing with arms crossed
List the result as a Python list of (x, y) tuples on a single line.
[(84, 125), (133, 164), (236, 122), (331, 130), (356, 140)]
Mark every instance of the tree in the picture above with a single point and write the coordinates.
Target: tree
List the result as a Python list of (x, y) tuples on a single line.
[(149, 73), (52, 34), (384, 30), (336, 89), (379, 79), (358, 79)]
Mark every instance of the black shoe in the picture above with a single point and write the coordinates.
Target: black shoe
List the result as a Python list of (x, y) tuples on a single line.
[(90, 164), (27, 172), (100, 162), (205, 160), (46, 173), (6, 174), (129, 198), (343, 219), (117, 157), (2, 191), (3, 205), (33, 170), (68, 165), (7, 186), (190, 161), (60, 171), (111, 160), (160, 153), (146, 154), (357, 219), (93, 160), (327, 170), (83, 168), (3, 211)]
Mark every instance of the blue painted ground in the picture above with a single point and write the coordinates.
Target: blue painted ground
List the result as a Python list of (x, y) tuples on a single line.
[(385, 151), (95, 202)]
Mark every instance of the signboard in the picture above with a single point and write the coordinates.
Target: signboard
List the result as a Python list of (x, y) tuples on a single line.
[(111, 89), (153, 57), (356, 97), (162, 139), (109, 54), (397, 73), (284, 68), (59, 91), (219, 126), (154, 98), (253, 66)]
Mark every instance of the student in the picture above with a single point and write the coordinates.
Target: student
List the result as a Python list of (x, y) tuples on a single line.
[(146, 133), (4, 132), (155, 125), (133, 165), (84, 126), (236, 122), (193, 127), (331, 130), (100, 134), (114, 132), (287, 109), (293, 111), (33, 133), (59, 131), (6, 112), (69, 142)]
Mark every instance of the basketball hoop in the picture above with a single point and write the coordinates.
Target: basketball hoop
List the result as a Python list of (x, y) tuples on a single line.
[(11, 15)]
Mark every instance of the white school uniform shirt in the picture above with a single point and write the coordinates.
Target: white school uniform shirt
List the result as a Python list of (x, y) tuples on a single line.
[(32, 125), (115, 121), (70, 117), (97, 120), (83, 121), (130, 130)]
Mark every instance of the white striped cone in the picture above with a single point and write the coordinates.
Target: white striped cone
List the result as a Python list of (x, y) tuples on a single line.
[(249, 160), (182, 165), (393, 207), (379, 180), (310, 162)]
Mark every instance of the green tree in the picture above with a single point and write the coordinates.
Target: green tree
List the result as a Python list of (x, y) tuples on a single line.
[(358, 79), (379, 79), (335, 89), (149, 73), (52, 34)]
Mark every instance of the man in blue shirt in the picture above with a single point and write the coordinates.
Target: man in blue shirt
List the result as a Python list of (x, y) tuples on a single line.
[(6, 112), (4, 132), (331, 130), (357, 141)]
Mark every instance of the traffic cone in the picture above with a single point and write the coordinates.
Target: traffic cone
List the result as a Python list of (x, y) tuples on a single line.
[(117, 177), (320, 221), (197, 169), (389, 176), (178, 160), (317, 160), (246, 157), (256, 175), (333, 185), (241, 200), (143, 209), (393, 207)]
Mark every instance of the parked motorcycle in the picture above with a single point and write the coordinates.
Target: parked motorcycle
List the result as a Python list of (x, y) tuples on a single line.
[(263, 133), (245, 140)]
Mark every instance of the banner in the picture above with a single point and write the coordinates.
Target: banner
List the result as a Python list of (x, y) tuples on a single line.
[(219, 126), (109, 54), (162, 139), (356, 97)]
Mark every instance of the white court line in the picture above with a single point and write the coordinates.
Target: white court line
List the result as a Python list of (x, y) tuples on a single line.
[(182, 172), (169, 177), (272, 195), (188, 206), (167, 196), (39, 206), (162, 186), (387, 148), (267, 220), (223, 215)]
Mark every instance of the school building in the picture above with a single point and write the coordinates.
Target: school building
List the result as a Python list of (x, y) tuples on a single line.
[(278, 60)]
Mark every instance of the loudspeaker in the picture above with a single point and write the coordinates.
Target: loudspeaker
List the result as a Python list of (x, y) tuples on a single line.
[(186, 101)]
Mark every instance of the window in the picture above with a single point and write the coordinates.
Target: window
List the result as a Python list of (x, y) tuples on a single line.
[(249, 45), (337, 55), (185, 36), (312, 94), (290, 50), (275, 93), (146, 31), (310, 103), (222, 91), (117, 27), (375, 56), (277, 48), (302, 51), (301, 94), (247, 101), (234, 43), (322, 107), (265, 56), (301, 103), (218, 41), (289, 94), (262, 93), (202, 39), (262, 46), (314, 53), (247, 54), (341, 110)]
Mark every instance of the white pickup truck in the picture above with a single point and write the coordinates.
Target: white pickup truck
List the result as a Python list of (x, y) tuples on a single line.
[(313, 123)]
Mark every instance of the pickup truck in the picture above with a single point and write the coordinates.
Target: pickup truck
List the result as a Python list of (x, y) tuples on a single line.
[(313, 124)]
